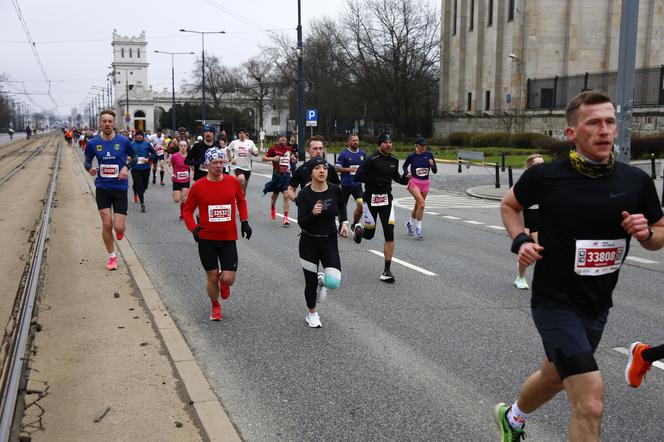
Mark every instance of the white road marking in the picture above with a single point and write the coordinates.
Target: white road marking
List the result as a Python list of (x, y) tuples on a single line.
[(496, 227), (470, 221), (641, 260), (261, 174), (625, 351), (281, 215), (451, 217), (405, 264), (447, 200), (431, 213)]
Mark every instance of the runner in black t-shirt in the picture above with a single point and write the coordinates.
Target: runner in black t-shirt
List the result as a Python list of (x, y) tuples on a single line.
[(590, 207), (196, 156)]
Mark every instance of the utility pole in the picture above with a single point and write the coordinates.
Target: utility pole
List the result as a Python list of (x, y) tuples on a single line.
[(300, 85), (629, 17)]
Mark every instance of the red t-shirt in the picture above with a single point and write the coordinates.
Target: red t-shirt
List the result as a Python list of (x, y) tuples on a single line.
[(216, 202), (283, 165)]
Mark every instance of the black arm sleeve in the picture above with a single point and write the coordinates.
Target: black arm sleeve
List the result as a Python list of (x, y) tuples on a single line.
[(396, 176), (305, 207), (296, 179), (332, 175), (192, 158), (341, 204), (361, 172)]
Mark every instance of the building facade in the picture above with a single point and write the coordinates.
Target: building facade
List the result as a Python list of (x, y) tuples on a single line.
[(138, 106), (513, 64)]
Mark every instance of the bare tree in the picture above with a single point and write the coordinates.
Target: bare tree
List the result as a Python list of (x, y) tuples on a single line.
[(259, 83), (392, 47), (219, 80)]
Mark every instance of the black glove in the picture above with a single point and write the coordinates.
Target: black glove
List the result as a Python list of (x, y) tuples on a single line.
[(245, 229), (195, 233)]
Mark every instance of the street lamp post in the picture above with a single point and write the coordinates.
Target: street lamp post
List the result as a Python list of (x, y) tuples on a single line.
[(103, 94), (203, 60), (173, 54), (300, 86)]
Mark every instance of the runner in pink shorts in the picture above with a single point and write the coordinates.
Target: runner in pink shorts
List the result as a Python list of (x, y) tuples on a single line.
[(417, 167), (180, 175)]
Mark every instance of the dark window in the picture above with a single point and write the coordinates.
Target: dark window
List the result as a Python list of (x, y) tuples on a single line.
[(471, 24), (470, 101), (131, 52), (138, 53), (454, 17), (510, 11), (546, 98), (487, 100), (490, 19), (122, 52)]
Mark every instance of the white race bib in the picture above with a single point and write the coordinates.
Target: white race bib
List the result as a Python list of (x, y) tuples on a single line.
[(109, 170), (160, 150), (142, 160), (422, 171), (220, 213), (380, 200), (598, 257), (183, 175)]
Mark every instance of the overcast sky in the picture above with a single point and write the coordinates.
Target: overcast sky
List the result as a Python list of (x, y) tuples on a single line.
[(73, 39)]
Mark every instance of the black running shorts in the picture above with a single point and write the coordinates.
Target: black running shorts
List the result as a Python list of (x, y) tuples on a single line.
[(246, 173), (180, 186), (355, 191), (569, 338), (213, 253), (115, 199)]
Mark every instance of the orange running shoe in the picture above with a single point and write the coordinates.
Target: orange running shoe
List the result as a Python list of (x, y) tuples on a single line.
[(119, 235), (637, 367), (224, 290), (112, 263), (273, 213), (215, 313), (135, 198)]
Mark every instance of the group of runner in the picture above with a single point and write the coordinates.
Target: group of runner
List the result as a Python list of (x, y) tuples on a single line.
[(590, 206)]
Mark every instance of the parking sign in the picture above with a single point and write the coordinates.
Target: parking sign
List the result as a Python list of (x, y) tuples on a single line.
[(311, 117)]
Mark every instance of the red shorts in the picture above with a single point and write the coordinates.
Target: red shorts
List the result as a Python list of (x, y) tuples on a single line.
[(423, 185)]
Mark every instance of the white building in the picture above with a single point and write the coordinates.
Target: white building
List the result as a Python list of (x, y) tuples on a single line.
[(138, 106)]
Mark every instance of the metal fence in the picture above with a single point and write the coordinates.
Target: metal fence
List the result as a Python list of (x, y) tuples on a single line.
[(556, 92)]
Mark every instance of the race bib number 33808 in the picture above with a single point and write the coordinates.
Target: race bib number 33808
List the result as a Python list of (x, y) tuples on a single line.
[(220, 213), (598, 257)]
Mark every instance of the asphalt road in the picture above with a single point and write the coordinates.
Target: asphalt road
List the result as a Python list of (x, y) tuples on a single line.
[(423, 359)]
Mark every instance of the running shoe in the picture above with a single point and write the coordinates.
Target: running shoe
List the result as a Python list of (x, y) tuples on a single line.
[(418, 233), (119, 235), (357, 233), (162, 183), (285, 222), (387, 276), (135, 198), (154, 180), (637, 367), (521, 283), (321, 290), (143, 209), (224, 290), (215, 313), (507, 433), (409, 229), (313, 320), (112, 263), (273, 213)]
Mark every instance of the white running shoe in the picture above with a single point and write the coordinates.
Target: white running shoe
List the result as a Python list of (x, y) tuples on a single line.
[(418, 233), (321, 290), (409, 229), (521, 283), (313, 320)]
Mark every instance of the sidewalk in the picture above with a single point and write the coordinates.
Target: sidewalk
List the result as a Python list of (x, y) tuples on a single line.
[(99, 371)]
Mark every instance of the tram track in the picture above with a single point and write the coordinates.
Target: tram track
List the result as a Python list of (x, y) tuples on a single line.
[(13, 170), (17, 338)]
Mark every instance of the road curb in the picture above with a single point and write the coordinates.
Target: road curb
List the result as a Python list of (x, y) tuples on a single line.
[(209, 410), (472, 192)]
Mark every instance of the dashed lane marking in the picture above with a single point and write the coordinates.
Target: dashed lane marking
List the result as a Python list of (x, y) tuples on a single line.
[(451, 217), (447, 200), (431, 213), (641, 260), (405, 264), (281, 215), (470, 221), (625, 351), (496, 227)]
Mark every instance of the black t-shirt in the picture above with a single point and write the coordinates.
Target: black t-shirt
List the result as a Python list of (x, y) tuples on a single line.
[(333, 205), (196, 158), (377, 172), (574, 207), (302, 177)]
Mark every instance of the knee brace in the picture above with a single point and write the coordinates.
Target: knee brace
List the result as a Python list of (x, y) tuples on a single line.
[(332, 278)]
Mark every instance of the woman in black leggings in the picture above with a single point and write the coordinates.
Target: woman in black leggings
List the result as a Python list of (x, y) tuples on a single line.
[(318, 204)]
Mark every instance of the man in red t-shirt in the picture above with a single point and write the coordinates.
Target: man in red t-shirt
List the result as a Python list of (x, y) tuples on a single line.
[(280, 156), (216, 197)]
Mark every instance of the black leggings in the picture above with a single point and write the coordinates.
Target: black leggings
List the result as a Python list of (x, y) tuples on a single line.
[(312, 251), (654, 354), (139, 183)]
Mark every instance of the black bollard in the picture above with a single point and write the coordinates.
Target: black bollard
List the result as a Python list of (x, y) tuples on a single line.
[(510, 179), (459, 170), (502, 159), (335, 158), (497, 176), (653, 174)]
